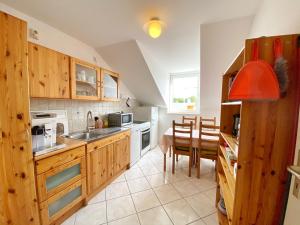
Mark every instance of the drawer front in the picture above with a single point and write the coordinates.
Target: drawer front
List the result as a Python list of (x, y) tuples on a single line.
[(107, 141), (54, 207), (57, 179), (52, 162)]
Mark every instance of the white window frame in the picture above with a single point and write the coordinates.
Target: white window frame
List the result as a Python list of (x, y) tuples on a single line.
[(178, 75)]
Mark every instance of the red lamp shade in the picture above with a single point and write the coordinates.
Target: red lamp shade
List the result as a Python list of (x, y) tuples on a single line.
[(255, 81)]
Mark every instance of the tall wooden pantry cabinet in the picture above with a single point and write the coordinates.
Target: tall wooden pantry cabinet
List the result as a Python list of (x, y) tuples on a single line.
[(18, 200)]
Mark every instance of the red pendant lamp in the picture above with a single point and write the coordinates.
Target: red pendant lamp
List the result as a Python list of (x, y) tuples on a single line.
[(256, 80)]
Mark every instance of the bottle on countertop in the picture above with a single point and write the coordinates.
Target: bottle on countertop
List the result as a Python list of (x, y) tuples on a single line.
[(98, 123)]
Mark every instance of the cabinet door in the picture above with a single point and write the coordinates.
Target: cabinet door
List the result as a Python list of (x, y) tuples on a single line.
[(97, 168), (85, 80), (58, 178), (59, 204), (109, 85), (121, 154), (49, 72), (117, 156), (110, 161), (125, 151)]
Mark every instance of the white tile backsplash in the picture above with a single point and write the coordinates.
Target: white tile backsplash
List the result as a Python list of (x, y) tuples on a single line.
[(77, 110)]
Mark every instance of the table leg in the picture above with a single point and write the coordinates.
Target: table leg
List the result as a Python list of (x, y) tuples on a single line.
[(165, 162), (170, 151)]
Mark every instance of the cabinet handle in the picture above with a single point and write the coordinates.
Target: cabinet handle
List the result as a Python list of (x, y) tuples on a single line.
[(294, 170)]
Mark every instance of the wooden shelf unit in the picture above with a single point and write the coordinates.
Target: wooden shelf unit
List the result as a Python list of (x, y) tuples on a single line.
[(266, 144)]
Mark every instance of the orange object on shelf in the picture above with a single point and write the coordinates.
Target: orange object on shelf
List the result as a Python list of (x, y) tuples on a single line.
[(255, 81)]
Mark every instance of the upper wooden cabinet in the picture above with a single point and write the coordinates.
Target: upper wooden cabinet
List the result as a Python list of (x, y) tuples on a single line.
[(49, 72), (109, 85), (85, 80)]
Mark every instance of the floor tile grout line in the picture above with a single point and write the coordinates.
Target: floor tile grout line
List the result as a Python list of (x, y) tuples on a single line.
[(152, 189), (134, 204), (163, 206)]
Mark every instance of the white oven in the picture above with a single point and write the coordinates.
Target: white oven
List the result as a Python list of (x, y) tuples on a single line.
[(145, 138)]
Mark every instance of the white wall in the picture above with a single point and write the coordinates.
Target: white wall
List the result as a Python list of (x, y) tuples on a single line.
[(219, 44), (160, 75), (277, 17), (55, 39), (127, 58)]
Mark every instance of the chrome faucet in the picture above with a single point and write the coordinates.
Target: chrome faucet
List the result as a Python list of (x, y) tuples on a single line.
[(88, 128)]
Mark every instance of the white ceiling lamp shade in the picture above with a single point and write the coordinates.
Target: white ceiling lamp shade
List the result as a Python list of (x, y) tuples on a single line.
[(154, 27)]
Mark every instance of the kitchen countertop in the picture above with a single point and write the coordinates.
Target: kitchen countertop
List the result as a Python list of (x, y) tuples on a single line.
[(72, 143)]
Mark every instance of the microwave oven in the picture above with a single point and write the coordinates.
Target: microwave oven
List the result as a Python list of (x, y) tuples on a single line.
[(120, 119)]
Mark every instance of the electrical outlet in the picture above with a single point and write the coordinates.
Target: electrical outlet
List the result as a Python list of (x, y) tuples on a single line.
[(296, 189)]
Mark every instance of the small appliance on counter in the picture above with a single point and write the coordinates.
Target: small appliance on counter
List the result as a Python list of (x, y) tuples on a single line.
[(119, 119), (46, 126)]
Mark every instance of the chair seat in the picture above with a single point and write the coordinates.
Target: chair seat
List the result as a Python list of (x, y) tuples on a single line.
[(208, 151), (209, 145)]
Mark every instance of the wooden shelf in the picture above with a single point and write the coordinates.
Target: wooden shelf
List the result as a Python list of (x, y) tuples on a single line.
[(229, 177), (223, 220), (92, 85), (230, 167), (231, 142), (228, 198), (232, 103)]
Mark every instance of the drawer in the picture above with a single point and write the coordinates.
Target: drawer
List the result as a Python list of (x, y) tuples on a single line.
[(106, 141), (57, 205), (52, 162), (57, 179)]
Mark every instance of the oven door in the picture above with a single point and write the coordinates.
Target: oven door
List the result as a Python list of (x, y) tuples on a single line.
[(126, 118), (145, 141)]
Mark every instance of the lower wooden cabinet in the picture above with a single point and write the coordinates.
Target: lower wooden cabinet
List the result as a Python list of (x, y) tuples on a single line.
[(97, 161), (61, 183), (105, 159), (56, 206), (121, 154)]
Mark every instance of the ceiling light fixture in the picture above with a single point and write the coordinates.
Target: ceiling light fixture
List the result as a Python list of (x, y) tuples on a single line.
[(154, 27)]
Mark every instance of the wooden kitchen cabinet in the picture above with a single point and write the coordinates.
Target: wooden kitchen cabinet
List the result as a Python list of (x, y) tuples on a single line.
[(97, 161), (121, 153), (109, 85), (61, 183), (106, 158), (49, 72), (85, 80)]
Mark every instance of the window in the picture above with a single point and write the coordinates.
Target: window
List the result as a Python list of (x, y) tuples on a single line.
[(184, 93)]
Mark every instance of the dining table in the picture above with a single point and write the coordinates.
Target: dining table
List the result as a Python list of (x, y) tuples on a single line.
[(167, 140)]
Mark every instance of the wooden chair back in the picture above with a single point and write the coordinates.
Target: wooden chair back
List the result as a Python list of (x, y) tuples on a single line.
[(211, 141), (193, 119), (183, 137), (211, 121)]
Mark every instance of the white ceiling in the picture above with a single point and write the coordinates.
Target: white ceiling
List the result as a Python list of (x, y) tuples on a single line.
[(105, 22)]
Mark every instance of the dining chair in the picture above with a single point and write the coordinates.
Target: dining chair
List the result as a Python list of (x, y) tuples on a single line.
[(209, 121), (182, 142), (186, 119), (208, 144)]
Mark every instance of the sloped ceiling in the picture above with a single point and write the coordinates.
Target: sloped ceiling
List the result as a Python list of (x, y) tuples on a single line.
[(102, 23), (127, 59)]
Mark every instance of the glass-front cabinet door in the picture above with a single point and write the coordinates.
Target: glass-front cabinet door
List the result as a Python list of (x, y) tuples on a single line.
[(109, 85), (85, 80), (59, 204), (57, 179)]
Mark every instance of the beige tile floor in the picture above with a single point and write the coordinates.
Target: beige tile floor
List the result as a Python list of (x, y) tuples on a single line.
[(145, 195)]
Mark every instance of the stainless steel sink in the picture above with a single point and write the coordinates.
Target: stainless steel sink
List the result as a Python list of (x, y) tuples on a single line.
[(94, 134)]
